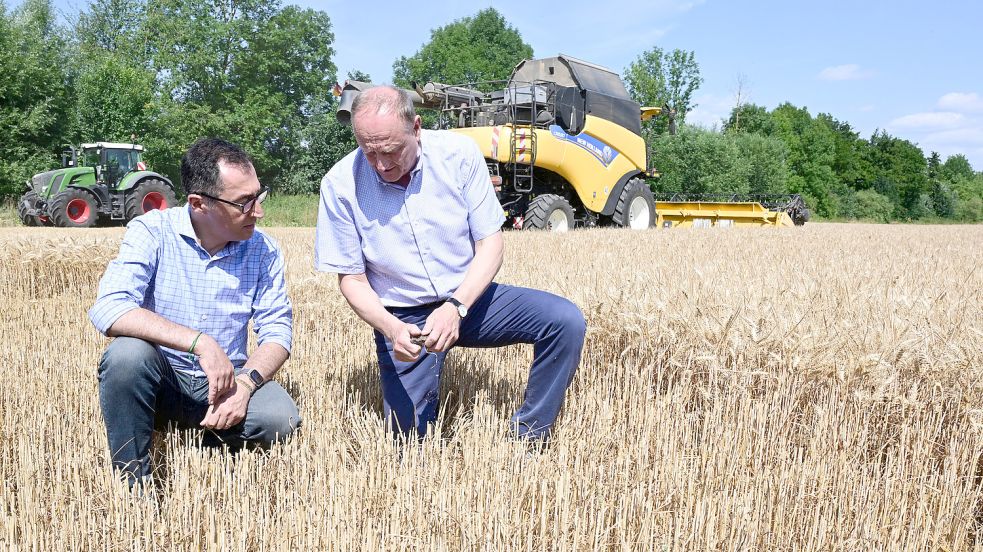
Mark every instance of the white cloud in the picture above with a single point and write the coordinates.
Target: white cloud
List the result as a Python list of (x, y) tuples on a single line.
[(850, 71), (970, 136), (962, 102), (928, 121)]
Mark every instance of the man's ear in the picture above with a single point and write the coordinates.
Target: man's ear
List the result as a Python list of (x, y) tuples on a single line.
[(196, 202)]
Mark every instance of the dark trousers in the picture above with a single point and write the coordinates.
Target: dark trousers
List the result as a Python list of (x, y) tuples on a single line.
[(139, 391), (503, 315)]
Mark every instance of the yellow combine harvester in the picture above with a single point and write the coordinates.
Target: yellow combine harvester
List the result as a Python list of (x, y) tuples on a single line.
[(563, 143)]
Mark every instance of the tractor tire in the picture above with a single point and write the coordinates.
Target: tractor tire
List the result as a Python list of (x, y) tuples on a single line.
[(636, 206), (30, 198), (548, 212), (147, 196), (74, 208)]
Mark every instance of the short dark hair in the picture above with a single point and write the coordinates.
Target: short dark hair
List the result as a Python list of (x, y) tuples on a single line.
[(199, 166)]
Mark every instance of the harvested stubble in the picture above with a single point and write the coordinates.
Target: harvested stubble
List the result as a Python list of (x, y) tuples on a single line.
[(814, 388)]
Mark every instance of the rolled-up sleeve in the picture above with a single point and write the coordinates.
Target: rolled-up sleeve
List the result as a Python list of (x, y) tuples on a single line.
[(124, 285), (272, 313), (337, 246), (485, 213)]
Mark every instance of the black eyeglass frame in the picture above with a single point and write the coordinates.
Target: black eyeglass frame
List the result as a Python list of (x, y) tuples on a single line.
[(251, 203)]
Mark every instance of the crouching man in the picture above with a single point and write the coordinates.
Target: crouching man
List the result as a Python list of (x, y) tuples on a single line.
[(178, 299), (410, 223)]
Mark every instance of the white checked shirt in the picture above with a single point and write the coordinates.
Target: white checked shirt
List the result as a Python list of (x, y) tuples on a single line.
[(415, 244), (161, 267)]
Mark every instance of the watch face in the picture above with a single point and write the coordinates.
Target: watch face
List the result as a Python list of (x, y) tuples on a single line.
[(256, 377), (462, 311)]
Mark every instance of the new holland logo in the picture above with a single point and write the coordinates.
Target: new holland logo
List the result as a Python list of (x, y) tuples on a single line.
[(601, 151)]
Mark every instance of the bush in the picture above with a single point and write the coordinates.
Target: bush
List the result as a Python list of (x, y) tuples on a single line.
[(871, 205)]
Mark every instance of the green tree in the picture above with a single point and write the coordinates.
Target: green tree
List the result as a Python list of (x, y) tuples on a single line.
[(656, 79), (249, 70), (114, 100), (700, 161), (33, 92), (325, 142), (767, 162), (902, 174), (469, 50), (811, 154), (870, 205), (956, 166), (751, 119)]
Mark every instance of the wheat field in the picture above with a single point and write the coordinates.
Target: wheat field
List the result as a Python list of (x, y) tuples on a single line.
[(813, 388)]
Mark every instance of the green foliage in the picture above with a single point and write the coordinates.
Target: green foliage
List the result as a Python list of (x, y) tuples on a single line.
[(767, 160), (658, 79), (33, 92), (812, 150), (701, 161), (901, 173), (956, 166), (751, 119), (114, 100), (470, 50), (870, 205)]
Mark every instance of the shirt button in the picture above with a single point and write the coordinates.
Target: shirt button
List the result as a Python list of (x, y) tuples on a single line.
[(204, 317)]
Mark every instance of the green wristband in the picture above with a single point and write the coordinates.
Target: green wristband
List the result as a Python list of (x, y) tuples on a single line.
[(191, 349)]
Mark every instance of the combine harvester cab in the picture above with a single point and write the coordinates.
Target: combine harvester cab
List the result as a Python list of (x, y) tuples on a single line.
[(563, 142)]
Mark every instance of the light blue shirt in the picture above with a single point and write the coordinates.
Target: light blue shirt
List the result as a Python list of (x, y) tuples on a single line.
[(415, 244), (162, 268)]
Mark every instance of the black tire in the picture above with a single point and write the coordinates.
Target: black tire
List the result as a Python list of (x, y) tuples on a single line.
[(544, 213), (28, 201), (637, 193), (74, 208), (148, 195), (801, 217)]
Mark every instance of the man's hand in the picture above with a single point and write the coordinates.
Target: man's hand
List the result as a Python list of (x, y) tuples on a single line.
[(442, 328), (228, 410), (406, 341), (216, 365)]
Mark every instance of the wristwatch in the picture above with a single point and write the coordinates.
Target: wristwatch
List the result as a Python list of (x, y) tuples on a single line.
[(256, 378), (462, 310)]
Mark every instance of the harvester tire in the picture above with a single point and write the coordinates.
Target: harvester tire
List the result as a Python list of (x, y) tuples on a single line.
[(636, 206), (30, 198), (548, 212), (801, 217), (146, 196), (74, 208)]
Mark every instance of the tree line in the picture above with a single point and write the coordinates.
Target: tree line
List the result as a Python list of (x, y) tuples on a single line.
[(166, 72)]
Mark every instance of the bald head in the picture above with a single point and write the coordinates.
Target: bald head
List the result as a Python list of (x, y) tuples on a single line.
[(384, 100)]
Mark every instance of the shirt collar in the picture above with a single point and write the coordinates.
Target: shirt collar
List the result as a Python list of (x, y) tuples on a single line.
[(186, 229)]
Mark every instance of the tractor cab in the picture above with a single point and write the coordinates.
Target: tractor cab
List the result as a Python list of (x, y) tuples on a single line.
[(112, 161)]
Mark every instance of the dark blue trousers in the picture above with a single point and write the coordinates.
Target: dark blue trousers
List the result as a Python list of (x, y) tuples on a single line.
[(503, 315)]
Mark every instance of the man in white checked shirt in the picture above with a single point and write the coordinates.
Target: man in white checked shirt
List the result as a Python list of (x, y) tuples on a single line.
[(178, 299), (410, 223)]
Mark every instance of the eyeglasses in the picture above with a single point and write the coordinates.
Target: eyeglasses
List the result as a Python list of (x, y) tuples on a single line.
[(246, 207)]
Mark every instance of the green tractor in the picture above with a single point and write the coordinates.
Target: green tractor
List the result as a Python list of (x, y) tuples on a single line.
[(103, 179)]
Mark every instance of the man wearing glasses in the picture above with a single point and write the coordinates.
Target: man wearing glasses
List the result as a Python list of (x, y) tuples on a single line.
[(178, 299)]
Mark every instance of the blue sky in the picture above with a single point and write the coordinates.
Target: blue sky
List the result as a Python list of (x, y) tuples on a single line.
[(912, 68)]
